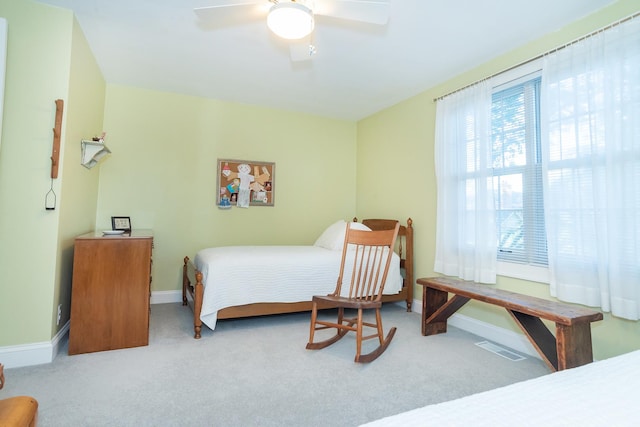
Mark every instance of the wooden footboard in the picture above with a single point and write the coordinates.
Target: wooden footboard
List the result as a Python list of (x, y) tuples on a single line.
[(193, 288)]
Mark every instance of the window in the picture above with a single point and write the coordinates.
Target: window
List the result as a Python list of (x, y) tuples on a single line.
[(517, 177), (587, 163), (488, 169)]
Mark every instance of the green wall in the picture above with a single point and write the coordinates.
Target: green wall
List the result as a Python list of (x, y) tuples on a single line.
[(162, 173), (48, 58), (79, 192), (396, 175), (38, 54)]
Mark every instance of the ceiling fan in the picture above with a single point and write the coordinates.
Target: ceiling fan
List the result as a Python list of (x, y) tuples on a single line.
[(294, 20)]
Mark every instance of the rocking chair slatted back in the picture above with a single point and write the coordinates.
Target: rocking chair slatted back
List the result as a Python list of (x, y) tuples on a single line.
[(366, 256)]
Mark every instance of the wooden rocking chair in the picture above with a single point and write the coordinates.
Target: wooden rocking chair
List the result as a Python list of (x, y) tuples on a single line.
[(19, 411), (366, 256)]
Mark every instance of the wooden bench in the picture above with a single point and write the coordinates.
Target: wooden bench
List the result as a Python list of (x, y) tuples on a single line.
[(571, 345)]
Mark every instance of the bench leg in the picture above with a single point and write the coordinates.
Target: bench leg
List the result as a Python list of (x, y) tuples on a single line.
[(570, 347), (574, 345), (436, 309), (540, 336)]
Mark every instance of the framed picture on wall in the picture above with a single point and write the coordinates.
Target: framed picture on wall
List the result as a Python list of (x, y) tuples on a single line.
[(245, 183)]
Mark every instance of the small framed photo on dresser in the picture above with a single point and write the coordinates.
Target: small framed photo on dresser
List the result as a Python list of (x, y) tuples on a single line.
[(121, 223)]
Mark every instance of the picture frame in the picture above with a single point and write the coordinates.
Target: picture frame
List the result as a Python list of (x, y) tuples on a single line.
[(260, 179), (121, 223)]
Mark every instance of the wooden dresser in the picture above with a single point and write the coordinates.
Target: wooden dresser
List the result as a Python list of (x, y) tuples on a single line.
[(110, 292)]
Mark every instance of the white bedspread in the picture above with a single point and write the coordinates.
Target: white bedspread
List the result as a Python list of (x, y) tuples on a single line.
[(604, 393), (238, 275)]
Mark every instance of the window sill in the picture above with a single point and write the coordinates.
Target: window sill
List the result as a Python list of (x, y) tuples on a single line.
[(523, 271)]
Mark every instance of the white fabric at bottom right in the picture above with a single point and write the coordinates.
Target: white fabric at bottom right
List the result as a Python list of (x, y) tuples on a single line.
[(604, 393)]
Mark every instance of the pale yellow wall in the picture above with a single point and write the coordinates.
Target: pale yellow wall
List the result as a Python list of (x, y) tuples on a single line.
[(38, 58), (79, 193), (395, 172), (396, 175), (162, 173)]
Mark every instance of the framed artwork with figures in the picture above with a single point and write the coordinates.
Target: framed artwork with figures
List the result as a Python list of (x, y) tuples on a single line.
[(244, 183)]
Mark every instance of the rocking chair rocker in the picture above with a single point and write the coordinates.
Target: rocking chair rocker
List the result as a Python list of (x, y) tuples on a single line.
[(366, 256)]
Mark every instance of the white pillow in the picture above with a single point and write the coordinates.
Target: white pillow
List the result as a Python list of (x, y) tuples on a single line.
[(333, 237)]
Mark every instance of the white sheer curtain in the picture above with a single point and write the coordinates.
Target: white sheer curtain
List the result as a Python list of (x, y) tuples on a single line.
[(591, 163), (466, 242)]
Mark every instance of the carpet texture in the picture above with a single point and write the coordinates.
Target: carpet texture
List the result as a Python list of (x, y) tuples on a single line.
[(257, 372)]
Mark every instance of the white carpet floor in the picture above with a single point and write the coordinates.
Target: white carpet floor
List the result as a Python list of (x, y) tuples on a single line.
[(257, 372)]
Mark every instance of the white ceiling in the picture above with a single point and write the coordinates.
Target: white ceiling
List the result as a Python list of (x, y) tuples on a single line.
[(359, 69)]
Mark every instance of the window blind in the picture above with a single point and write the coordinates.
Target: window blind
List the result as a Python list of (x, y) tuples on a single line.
[(519, 205)]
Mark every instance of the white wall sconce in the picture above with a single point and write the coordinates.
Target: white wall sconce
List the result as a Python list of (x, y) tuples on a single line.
[(92, 152)]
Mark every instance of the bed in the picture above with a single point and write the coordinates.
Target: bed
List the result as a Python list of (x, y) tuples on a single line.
[(603, 393), (244, 281)]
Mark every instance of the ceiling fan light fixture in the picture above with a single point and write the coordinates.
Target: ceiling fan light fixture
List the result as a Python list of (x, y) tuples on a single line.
[(290, 20)]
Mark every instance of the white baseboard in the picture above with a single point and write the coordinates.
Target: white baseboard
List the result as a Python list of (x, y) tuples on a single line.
[(165, 297), (494, 334), (17, 356), (488, 331)]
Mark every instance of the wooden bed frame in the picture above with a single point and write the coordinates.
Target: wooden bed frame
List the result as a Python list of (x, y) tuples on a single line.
[(193, 287)]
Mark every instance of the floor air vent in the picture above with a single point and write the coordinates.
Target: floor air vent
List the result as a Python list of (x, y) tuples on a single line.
[(500, 351)]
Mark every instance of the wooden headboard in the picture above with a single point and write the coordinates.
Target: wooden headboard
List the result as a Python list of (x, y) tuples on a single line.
[(404, 248)]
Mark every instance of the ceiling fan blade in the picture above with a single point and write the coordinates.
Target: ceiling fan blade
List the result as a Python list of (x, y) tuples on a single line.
[(371, 11), (301, 50), (227, 12)]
